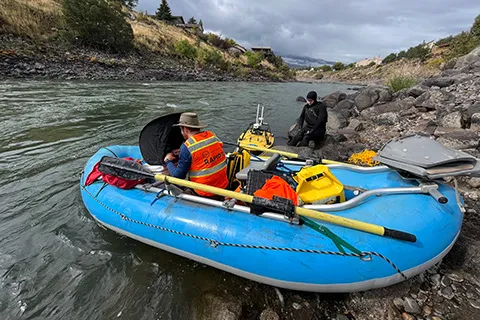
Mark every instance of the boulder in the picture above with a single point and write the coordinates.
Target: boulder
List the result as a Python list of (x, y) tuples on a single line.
[(388, 118), (371, 95), (394, 106), (356, 125), (336, 121), (416, 91), (474, 108), (460, 139), (468, 60), (333, 98), (399, 95), (301, 99), (441, 82), (453, 119), (450, 73), (293, 130), (345, 107), (431, 100)]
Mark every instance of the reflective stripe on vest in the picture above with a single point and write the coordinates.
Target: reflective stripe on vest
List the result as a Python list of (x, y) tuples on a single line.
[(195, 146), (207, 172)]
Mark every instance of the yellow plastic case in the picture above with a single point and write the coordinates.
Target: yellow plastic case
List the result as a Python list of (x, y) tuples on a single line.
[(317, 185)]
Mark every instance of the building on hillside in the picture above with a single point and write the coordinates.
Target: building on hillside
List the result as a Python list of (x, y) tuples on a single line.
[(176, 20), (429, 45), (266, 51), (367, 61), (440, 49)]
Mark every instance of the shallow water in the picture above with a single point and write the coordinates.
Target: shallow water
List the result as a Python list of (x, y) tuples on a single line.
[(55, 261)]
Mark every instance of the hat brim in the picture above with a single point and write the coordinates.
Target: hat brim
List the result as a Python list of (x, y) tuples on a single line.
[(200, 125)]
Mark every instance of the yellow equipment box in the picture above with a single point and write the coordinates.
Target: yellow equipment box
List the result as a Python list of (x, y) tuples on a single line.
[(317, 185)]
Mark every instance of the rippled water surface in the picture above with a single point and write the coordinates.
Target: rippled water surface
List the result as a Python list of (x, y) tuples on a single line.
[(55, 261)]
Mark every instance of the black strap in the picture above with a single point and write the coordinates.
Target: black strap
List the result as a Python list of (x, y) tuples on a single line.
[(315, 177)]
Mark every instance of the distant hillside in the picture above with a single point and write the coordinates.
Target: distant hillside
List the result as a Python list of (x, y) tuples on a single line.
[(295, 61)]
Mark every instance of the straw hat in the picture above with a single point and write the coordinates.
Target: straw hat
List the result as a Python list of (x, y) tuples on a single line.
[(190, 120)]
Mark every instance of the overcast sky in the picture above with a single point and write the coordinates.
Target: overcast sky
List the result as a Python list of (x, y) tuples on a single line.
[(340, 30)]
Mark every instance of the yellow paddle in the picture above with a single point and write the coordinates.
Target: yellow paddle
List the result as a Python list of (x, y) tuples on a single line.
[(287, 154), (132, 170)]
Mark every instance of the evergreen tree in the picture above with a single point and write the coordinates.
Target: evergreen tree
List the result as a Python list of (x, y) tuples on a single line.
[(200, 23), (192, 20), (128, 3), (164, 12), (390, 58), (475, 30)]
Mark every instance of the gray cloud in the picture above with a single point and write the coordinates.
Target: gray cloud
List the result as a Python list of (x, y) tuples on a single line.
[(342, 30)]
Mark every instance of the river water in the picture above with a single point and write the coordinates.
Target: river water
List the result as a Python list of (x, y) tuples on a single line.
[(55, 261)]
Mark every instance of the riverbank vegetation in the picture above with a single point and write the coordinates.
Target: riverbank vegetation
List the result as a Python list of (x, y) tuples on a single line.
[(112, 27)]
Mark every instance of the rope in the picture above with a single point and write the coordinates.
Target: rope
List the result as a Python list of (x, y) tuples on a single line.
[(364, 158), (364, 255)]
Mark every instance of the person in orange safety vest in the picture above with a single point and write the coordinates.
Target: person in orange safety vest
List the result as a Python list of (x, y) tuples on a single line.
[(201, 156)]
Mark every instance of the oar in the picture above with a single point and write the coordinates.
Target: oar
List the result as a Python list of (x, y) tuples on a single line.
[(287, 154), (132, 170)]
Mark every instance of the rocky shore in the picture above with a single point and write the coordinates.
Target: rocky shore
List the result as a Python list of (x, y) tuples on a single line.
[(20, 58), (447, 107)]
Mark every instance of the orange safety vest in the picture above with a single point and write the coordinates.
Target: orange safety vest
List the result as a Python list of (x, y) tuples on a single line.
[(209, 162)]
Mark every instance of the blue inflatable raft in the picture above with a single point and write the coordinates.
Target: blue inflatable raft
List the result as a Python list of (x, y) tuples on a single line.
[(268, 249)]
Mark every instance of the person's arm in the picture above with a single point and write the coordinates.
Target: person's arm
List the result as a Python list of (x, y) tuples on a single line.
[(322, 117), (301, 119), (183, 165)]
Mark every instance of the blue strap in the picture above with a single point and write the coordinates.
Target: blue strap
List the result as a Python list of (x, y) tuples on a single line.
[(158, 196)]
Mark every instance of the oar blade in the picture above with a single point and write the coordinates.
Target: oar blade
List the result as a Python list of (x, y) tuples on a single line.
[(126, 169)]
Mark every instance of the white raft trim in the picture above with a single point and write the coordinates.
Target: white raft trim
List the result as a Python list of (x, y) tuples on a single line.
[(300, 286)]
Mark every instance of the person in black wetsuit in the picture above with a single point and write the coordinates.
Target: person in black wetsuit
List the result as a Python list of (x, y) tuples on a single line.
[(312, 123)]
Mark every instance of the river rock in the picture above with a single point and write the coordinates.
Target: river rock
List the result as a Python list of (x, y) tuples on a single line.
[(474, 108), (475, 122), (453, 119), (213, 307), (416, 91), (447, 293), (460, 139), (39, 66), (469, 59), (345, 107), (474, 183), (333, 98), (355, 125), (411, 306), (269, 314), (431, 100), (336, 121), (388, 118), (368, 96), (440, 82), (407, 316), (301, 99)]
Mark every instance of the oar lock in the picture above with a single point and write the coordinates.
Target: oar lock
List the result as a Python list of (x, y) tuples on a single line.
[(277, 205)]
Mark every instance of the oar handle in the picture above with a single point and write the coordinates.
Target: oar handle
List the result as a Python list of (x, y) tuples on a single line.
[(400, 235)]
